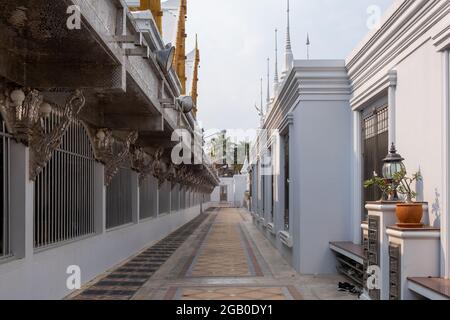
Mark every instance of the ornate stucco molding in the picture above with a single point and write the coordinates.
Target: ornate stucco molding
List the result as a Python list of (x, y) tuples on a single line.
[(103, 143), (172, 174), (24, 113), (142, 163), (42, 143), (159, 166)]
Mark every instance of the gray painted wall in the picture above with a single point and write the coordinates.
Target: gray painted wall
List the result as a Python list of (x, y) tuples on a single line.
[(322, 182)]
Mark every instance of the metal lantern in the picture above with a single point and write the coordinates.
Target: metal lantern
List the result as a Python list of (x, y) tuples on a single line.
[(393, 164)]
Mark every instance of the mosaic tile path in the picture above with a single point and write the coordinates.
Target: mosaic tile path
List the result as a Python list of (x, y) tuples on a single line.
[(217, 256), (124, 281), (225, 252)]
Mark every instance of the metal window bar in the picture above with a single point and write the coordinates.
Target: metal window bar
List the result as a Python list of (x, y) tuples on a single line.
[(5, 232), (375, 147), (64, 190), (182, 197), (164, 198), (118, 198), (175, 198), (148, 193)]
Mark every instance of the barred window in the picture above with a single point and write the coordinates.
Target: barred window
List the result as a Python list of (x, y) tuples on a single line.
[(175, 198), (64, 190), (119, 209), (375, 149), (148, 198), (5, 245), (182, 197), (383, 120), (188, 197), (164, 198)]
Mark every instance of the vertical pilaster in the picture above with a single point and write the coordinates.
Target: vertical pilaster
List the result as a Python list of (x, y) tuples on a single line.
[(445, 216), (291, 176), (356, 179), (392, 105), (21, 202)]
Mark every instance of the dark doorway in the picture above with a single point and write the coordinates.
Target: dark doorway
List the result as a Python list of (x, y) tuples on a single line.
[(286, 182), (375, 149)]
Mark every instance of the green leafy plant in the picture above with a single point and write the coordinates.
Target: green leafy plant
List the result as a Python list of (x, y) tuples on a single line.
[(404, 184), (382, 184)]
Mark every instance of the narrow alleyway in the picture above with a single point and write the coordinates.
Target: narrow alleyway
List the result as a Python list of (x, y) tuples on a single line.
[(218, 256)]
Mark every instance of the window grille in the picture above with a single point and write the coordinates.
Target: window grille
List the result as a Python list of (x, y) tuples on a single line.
[(175, 198), (188, 197), (64, 190), (182, 197), (164, 198), (148, 198), (119, 210), (375, 148), (5, 243)]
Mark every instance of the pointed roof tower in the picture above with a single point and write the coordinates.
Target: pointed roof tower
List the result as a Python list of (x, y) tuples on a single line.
[(275, 77), (194, 89), (289, 56)]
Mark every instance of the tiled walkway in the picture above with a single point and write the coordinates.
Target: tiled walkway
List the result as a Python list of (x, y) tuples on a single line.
[(223, 257), (224, 253)]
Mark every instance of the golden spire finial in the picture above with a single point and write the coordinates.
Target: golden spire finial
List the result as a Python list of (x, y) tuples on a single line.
[(194, 92), (180, 46)]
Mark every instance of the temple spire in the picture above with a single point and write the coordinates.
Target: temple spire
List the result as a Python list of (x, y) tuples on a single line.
[(289, 56), (262, 108), (275, 77), (180, 46), (194, 89)]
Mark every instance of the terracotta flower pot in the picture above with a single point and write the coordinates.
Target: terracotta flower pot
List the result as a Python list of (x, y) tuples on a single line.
[(409, 215)]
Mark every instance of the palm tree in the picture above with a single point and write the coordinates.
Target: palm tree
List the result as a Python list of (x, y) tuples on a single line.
[(228, 157)]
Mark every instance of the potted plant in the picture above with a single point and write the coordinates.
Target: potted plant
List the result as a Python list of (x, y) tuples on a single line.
[(382, 184), (409, 213)]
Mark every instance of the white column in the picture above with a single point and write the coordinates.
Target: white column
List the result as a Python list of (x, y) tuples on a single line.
[(392, 104), (445, 216), (357, 179), (21, 202)]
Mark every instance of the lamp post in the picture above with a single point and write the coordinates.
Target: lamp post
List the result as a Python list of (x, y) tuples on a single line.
[(392, 164)]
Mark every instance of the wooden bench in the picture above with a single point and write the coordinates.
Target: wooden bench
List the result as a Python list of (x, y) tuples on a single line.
[(431, 288), (350, 259)]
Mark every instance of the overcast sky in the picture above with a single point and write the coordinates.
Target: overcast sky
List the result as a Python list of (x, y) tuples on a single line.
[(237, 36)]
